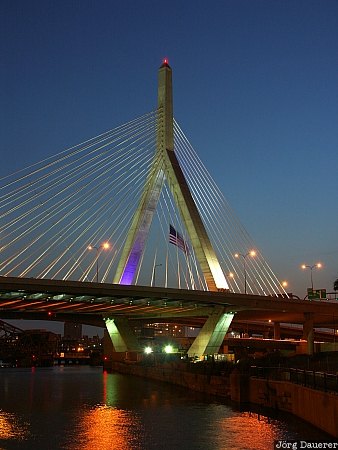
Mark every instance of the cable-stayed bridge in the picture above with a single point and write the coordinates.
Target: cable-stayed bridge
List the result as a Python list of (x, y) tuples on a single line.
[(92, 193), (134, 206)]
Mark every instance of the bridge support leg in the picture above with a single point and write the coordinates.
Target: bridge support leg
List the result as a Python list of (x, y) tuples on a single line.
[(308, 332), (211, 336), (276, 330), (122, 335)]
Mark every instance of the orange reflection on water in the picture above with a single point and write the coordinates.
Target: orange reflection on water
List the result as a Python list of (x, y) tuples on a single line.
[(10, 428), (106, 428), (259, 434)]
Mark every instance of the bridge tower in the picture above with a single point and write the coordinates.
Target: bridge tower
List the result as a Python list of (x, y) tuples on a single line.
[(166, 166)]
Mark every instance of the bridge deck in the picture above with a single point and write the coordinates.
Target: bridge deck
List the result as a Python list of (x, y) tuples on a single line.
[(33, 296)]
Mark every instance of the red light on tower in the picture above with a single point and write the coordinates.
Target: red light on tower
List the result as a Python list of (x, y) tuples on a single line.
[(166, 61)]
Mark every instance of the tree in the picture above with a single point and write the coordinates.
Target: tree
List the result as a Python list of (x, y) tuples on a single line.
[(335, 285)]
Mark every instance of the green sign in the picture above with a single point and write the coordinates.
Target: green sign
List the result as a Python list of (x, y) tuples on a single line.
[(316, 293)]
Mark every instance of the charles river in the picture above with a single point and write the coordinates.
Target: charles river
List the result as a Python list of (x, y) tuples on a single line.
[(86, 408)]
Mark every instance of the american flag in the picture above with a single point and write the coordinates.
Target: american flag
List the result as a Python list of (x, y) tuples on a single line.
[(176, 239)]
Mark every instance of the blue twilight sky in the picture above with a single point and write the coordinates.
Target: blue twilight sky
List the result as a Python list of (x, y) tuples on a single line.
[(255, 91)]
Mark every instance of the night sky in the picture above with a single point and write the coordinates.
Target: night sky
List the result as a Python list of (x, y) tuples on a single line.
[(255, 91)]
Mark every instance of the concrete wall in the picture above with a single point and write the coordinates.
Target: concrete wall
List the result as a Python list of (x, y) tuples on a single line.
[(316, 407), (173, 373)]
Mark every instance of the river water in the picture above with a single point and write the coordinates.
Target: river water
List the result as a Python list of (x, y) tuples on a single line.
[(77, 408)]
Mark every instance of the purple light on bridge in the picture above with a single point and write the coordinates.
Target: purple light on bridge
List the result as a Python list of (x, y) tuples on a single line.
[(127, 277), (131, 266)]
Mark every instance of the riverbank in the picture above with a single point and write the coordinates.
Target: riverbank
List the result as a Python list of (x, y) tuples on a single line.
[(177, 373), (314, 406)]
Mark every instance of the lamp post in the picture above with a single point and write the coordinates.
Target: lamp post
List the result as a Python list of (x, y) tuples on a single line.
[(154, 277), (251, 253), (306, 266), (103, 246)]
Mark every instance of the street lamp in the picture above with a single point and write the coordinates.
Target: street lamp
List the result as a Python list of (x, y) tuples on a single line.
[(168, 349), (306, 266), (103, 246), (251, 253)]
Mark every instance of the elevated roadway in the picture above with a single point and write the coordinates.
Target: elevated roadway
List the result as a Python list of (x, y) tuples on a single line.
[(29, 297)]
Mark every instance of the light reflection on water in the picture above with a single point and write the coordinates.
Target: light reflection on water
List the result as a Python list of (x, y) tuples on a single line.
[(11, 428), (264, 431), (84, 408), (105, 428)]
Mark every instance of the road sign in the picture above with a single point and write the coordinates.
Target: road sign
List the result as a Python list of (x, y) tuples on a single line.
[(316, 293)]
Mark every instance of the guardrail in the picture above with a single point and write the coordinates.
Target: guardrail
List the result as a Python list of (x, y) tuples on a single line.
[(321, 381)]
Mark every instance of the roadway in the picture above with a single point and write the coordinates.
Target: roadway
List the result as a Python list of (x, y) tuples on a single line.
[(66, 300)]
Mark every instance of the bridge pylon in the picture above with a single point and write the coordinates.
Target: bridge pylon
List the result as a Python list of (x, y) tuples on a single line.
[(166, 166), (212, 334)]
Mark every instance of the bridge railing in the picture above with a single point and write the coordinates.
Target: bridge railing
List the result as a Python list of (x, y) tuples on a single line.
[(327, 382)]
